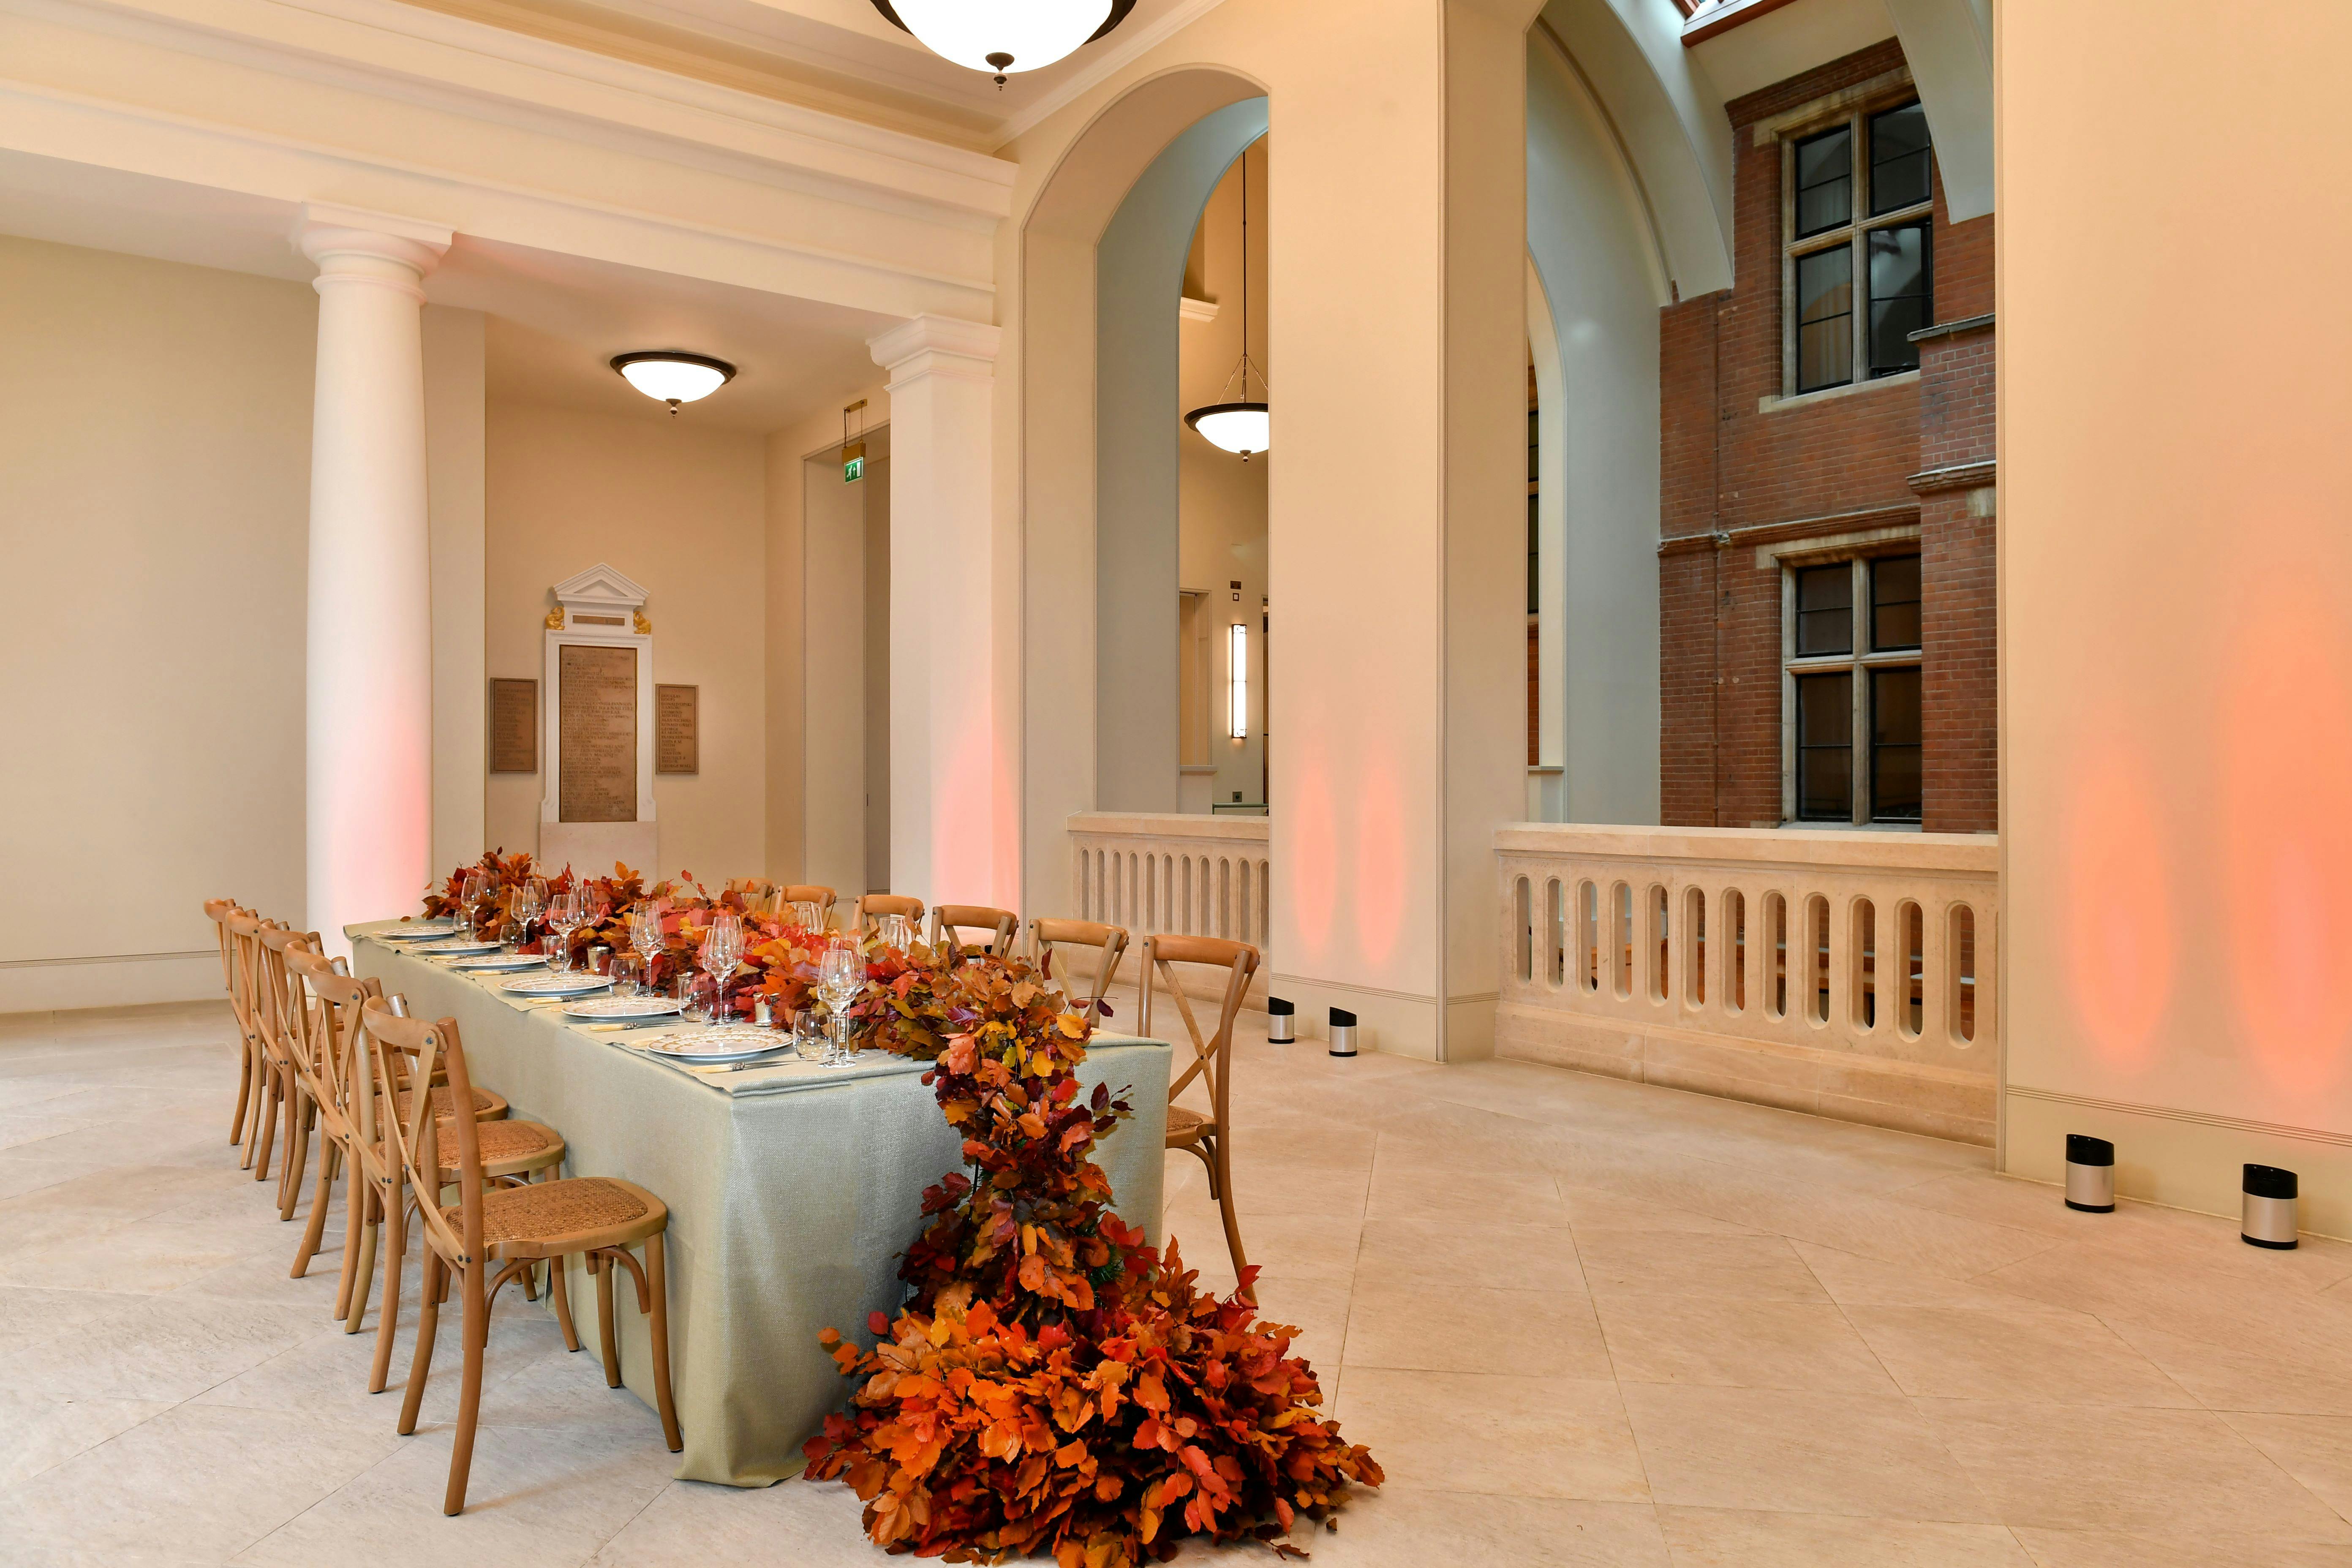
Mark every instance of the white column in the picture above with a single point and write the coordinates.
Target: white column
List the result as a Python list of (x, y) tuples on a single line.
[(368, 706), (954, 818)]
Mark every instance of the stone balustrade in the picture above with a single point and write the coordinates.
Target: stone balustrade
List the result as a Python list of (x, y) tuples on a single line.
[(1847, 974)]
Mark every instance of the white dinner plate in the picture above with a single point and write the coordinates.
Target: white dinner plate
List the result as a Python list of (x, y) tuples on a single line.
[(504, 963), (574, 984), (716, 1047), (604, 1009)]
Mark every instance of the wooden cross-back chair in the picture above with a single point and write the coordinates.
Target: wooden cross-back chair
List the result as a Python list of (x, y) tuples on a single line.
[(1046, 936), (218, 911), (255, 1111), (1209, 1136), (950, 922), (760, 895), (808, 893), (345, 1120), (390, 1077), (493, 1235), (284, 1007), (874, 906)]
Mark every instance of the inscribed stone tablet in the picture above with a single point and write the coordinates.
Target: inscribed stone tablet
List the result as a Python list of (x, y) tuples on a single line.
[(598, 731), (514, 726), (677, 745)]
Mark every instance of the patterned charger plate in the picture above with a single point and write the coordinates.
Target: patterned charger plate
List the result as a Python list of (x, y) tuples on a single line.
[(460, 947), (419, 931), (503, 963), (722, 1044), (573, 984), (625, 1007)]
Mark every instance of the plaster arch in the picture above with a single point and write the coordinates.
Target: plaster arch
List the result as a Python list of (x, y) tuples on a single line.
[(1055, 278), (1598, 279)]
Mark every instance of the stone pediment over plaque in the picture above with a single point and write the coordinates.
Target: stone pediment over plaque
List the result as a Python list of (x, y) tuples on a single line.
[(600, 597)]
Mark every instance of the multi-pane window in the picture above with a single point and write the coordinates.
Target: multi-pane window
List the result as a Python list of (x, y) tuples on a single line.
[(1852, 663), (1860, 263)]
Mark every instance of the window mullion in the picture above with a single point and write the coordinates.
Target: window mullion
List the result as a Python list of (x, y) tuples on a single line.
[(1860, 643)]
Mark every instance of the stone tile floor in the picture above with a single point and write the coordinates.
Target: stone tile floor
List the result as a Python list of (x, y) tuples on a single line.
[(1579, 1321)]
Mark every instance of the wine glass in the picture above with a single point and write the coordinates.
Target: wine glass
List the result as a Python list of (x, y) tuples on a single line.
[(471, 892), (645, 936), (565, 913), (894, 932), (526, 908), (841, 976), (721, 948), (803, 913)]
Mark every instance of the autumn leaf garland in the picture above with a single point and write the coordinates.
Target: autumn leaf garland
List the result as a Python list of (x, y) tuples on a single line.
[(1052, 1384)]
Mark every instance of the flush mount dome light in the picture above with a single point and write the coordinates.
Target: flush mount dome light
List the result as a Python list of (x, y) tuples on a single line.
[(1003, 37), (668, 376), (1244, 427)]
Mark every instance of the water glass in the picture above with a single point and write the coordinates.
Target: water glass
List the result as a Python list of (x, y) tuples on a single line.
[(694, 990), (808, 1037)]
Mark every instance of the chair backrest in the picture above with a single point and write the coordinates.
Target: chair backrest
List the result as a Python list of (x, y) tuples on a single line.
[(245, 929), (874, 906), (322, 1036), (760, 895), (809, 893), (1209, 1057), (217, 911), (416, 1051), (949, 921), (349, 1055), (280, 1000), (1110, 941)]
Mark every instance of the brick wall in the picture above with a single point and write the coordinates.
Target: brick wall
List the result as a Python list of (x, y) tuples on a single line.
[(1732, 466)]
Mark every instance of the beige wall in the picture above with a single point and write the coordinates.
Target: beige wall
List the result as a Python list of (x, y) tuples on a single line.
[(684, 512), (1221, 500), (155, 495), (2177, 598), (455, 409)]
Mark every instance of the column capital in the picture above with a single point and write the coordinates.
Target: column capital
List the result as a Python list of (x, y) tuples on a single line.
[(355, 245), (937, 345)]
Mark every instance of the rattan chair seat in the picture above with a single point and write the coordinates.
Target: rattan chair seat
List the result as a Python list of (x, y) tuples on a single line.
[(509, 1147), (1186, 1126), (488, 1106), (570, 1216)]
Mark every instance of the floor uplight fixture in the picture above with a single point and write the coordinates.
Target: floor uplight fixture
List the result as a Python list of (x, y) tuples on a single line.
[(1001, 36), (1237, 713), (1239, 424), (672, 376)]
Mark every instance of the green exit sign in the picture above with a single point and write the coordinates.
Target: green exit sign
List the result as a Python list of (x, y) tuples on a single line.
[(852, 464)]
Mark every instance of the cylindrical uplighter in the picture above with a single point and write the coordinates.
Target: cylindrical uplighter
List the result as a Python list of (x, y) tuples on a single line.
[(2090, 1174), (2269, 1208)]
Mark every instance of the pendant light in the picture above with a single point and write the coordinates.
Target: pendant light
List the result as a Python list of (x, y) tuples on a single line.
[(669, 375), (1239, 427), (1004, 36)]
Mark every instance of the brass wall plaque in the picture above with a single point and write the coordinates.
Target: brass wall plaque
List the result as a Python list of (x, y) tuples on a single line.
[(676, 746), (598, 732), (514, 726)]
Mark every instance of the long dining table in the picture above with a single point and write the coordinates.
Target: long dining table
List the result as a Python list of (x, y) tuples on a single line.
[(793, 1189)]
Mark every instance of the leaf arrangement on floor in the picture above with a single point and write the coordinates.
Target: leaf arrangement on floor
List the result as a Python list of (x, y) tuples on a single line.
[(1052, 1384)]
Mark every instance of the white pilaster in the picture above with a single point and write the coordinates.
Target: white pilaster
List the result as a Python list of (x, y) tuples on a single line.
[(369, 709), (954, 817)]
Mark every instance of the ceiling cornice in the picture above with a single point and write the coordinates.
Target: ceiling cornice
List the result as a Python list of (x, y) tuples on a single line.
[(1128, 47)]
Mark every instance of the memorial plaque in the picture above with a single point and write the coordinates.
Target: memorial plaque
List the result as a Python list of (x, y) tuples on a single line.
[(514, 726), (598, 731), (676, 746)]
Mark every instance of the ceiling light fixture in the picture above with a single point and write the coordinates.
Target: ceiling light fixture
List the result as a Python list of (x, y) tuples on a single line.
[(669, 375), (1239, 427), (1003, 37)]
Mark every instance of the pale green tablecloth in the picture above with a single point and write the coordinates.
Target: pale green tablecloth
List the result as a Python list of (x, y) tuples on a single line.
[(791, 1193)]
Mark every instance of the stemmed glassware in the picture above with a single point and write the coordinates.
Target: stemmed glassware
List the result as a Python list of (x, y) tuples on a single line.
[(526, 907), (566, 913), (803, 913), (841, 976), (470, 894), (645, 936), (723, 949)]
